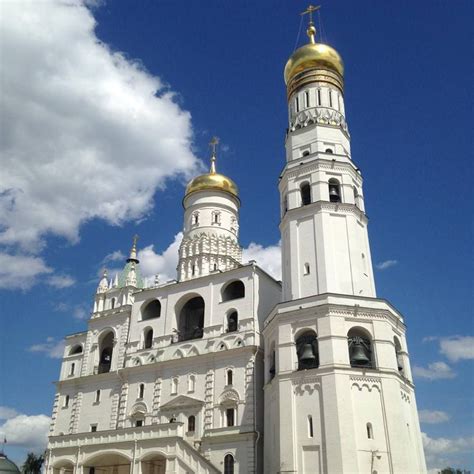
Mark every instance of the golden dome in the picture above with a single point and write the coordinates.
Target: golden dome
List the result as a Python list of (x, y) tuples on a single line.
[(213, 181), (313, 55)]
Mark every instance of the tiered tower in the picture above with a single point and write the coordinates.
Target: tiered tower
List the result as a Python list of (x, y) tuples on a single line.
[(211, 225), (339, 396)]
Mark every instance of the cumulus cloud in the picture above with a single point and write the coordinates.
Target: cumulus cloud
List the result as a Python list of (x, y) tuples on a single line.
[(6, 413), (386, 264), (52, 348), (433, 416), (269, 258), (434, 371), (26, 431), (438, 450), (21, 271), (457, 347), (86, 132)]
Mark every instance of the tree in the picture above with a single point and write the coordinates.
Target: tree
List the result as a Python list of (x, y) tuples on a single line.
[(33, 464)]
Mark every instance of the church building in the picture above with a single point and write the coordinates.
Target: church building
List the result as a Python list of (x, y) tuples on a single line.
[(225, 369)]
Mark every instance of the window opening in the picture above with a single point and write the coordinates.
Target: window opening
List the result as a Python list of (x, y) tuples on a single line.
[(307, 351), (232, 321), (233, 291), (330, 98), (370, 432), (319, 96), (297, 104), (229, 464), (141, 390), (334, 190), (66, 401), (229, 413), (191, 319), (360, 350), (305, 190), (93, 428), (151, 310), (73, 367), (306, 95), (306, 269), (310, 426), (230, 377), (148, 339), (97, 396), (192, 423), (106, 349), (138, 423)]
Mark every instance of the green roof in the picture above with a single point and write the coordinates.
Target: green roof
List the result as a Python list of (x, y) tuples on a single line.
[(8, 466)]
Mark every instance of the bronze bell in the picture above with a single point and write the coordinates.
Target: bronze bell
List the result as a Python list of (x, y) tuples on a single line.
[(359, 355), (333, 192), (307, 353)]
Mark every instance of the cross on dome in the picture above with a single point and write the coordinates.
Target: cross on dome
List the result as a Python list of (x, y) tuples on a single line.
[(311, 31)]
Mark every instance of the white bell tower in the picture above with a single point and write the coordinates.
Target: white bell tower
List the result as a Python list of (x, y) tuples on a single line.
[(325, 242), (339, 395)]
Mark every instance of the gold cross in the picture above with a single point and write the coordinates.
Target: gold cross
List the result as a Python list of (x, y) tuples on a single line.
[(213, 143), (310, 10)]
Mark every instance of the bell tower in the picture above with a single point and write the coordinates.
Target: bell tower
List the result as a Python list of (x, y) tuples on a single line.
[(339, 395), (323, 225)]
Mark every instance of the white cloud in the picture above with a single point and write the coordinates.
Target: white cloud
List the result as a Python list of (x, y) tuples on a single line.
[(457, 347), (164, 264), (433, 416), (61, 281), (434, 371), (269, 258), (21, 271), (6, 413), (439, 451), (117, 256), (26, 431), (386, 264), (52, 348), (86, 132)]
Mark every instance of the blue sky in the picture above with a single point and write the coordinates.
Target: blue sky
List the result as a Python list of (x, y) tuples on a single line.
[(90, 155)]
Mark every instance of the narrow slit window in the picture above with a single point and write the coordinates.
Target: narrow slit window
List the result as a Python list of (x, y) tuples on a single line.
[(297, 104), (310, 426), (330, 97), (230, 377), (97, 396), (319, 96), (306, 269), (306, 96), (66, 401), (370, 431), (230, 416), (141, 390), (73, 368)]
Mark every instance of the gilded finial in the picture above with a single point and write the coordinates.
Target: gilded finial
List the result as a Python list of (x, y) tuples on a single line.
[(213, 144), (133, 250), (311, 31)]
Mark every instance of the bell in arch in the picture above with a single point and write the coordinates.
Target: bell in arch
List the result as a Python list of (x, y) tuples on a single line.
[(333, 192), (307, 353), (360, 355)]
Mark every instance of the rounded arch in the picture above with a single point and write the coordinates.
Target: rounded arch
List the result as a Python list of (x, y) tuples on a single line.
[(305, 192), (76, 349), (147, 338), (233, 290), (307, 351), (106, 348), (153, 463), (398, 354), (229, 463), (109, 458), (232, 320), (190, 317), (334, 190), (151, 309), (361, 351)]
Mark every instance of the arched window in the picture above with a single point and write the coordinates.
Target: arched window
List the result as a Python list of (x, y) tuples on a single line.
[(272, 364), (229, 464), (307, 351), (232, 321), (360, 349), (192, 423), (329, 150), (233, 290), (305, 190), (148, 339), (356, 197), (151, 310), (229, 377), (191, 383), (370, 431), (191, 319), (106, 347), (112, 303), (141, 390), (306, 153), (174, 386), (398, 354), (230, 416), (77, 349), (334, 190)]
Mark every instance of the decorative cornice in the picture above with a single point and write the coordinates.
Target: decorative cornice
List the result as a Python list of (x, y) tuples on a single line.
[(317, 164), (319, 116)]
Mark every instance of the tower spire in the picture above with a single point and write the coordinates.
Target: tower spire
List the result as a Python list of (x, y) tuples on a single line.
[(311, 31), (213, 144), (133, 251)]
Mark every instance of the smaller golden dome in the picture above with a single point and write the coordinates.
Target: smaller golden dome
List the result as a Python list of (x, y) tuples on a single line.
[(212, 180), (313, 55)]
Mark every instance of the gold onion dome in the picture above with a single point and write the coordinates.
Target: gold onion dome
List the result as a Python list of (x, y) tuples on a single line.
[(212, 181), (313, 55)]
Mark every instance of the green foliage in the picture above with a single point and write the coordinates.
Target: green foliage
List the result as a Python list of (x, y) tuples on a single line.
[(33, 464)]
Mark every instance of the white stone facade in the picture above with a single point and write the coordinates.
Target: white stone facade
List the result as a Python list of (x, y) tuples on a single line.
[(227, 370)]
